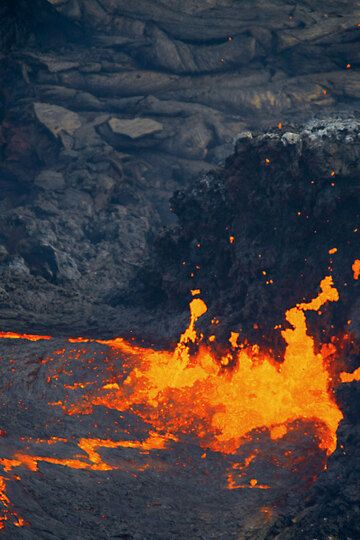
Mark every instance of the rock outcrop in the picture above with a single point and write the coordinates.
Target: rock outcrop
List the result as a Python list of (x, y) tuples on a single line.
[(256, 237), (108, 107)]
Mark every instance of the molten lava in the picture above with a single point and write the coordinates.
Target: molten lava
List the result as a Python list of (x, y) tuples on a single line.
[(178, 393), (191, 393), (29, 337), (8, 513)]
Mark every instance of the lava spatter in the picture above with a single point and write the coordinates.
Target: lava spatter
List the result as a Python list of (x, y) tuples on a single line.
[(356, 268)]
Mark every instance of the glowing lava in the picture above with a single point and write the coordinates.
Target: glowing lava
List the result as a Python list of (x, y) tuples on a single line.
[(350, 377), (28, 337), (178, 393), (190, 392), (7, 512), (91, 459)]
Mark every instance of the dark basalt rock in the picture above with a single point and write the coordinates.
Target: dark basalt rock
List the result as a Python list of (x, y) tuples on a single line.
[(35, 22), (203, 71), (255, 237)]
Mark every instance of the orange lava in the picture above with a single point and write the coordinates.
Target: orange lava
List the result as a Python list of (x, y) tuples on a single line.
[(239, 471), (7, 513), (28, 337), (5, 502), (91, 458), (252, 484), (233, 339), (350, 377), (192, 392)]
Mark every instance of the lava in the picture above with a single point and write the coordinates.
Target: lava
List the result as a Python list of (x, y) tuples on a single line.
[(179, 393), (90, 460), (191, 392), (253, 484), (5, 501), (350, 377), (8, 513), (28, 337)]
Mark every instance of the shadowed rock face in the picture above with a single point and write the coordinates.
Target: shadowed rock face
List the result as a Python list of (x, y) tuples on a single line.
[(24, 23), (255, 237)]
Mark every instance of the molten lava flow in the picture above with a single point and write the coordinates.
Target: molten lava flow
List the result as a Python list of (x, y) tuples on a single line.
[(253, 484), (239, 471), (178, 393), (91, 460), (5, 502), (28, 337), (191, 393)]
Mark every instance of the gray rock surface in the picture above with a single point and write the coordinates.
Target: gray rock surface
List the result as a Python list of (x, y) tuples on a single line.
[(135, 128), (50, 180), (57, 119)]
